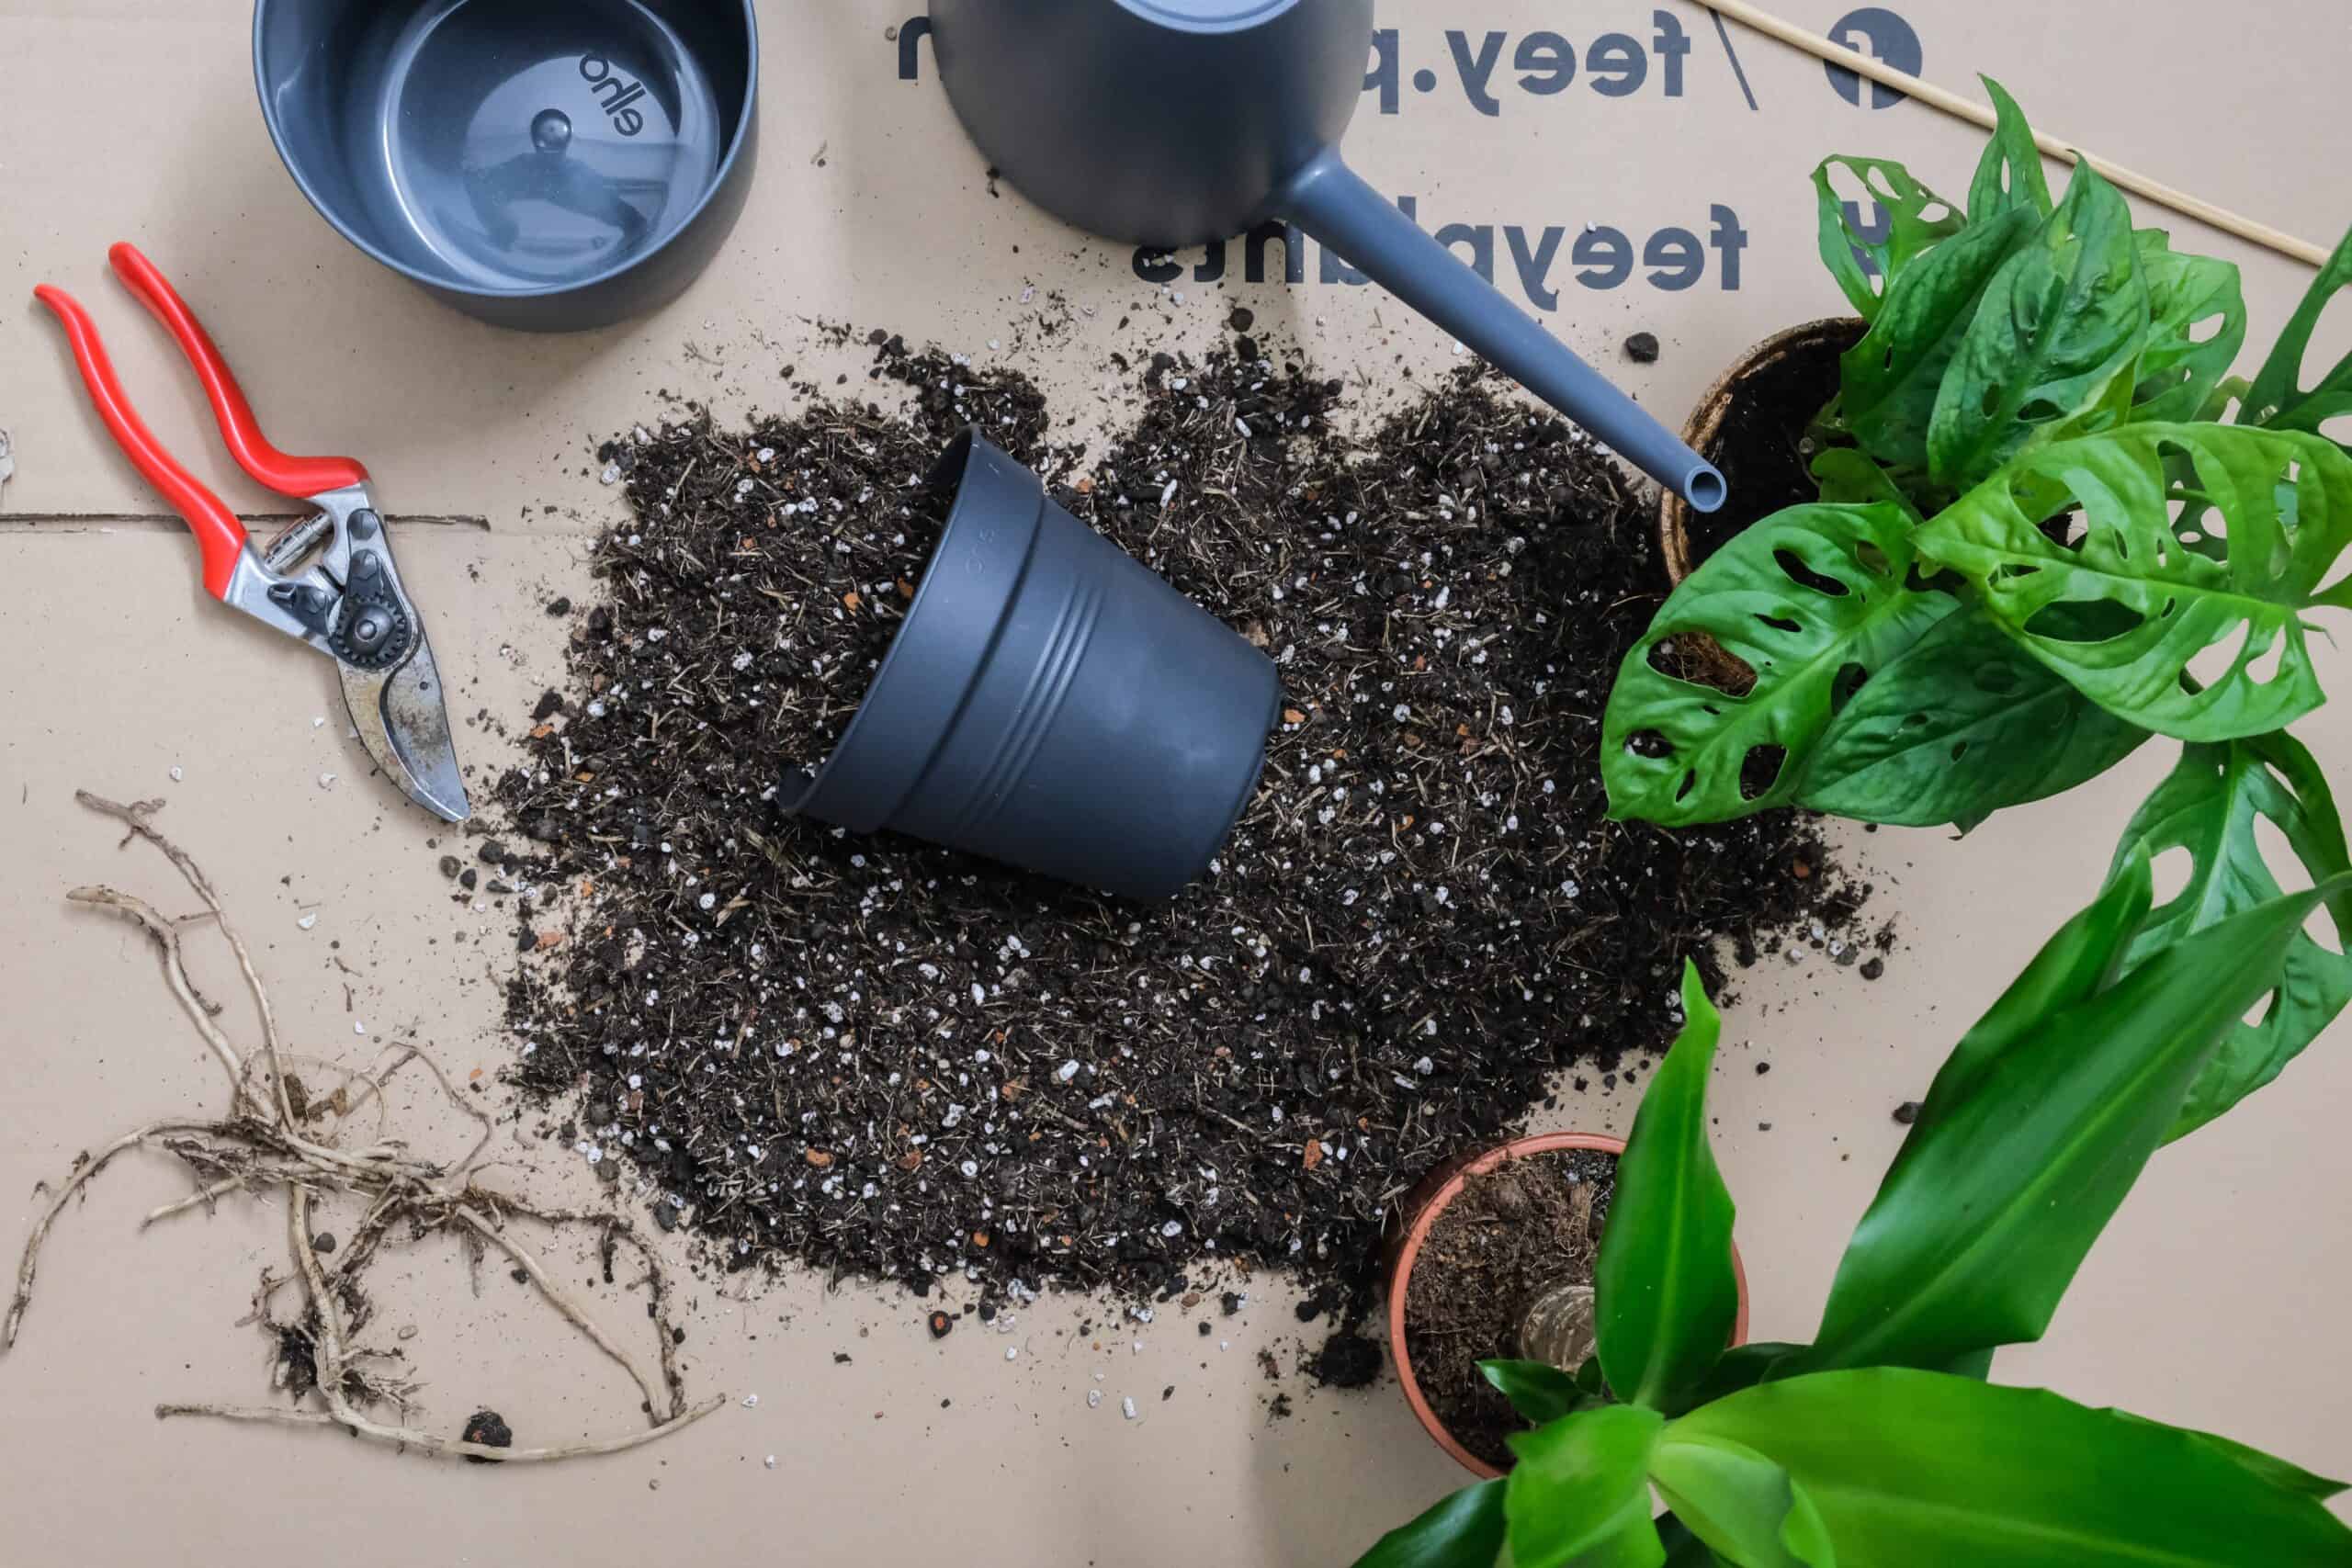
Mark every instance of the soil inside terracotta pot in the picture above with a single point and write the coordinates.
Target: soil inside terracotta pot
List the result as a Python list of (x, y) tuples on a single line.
[(1508, 1238), (1760, 445)]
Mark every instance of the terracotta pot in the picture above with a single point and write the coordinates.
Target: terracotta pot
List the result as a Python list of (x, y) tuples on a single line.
[(1707, 419), (1427, 1201)]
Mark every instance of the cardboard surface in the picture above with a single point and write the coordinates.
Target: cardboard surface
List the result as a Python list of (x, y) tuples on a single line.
[(2216, 1299)]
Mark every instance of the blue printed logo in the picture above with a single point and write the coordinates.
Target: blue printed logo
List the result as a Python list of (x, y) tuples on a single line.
[(1881, 35)]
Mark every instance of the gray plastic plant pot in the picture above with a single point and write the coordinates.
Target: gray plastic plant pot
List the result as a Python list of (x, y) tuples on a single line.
[(552, 167), (1175, 122), (1051, 702)]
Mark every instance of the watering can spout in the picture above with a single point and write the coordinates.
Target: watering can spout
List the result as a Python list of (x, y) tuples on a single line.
[(1329, 200)]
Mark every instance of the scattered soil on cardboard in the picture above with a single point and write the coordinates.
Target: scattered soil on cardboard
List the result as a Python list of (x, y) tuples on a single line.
[(1509, 1236), (877, 1057), (1760, 446), (1347, 1359)]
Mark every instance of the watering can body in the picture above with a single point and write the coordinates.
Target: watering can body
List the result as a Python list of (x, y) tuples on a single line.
[(1171, 123), (1154, 122)]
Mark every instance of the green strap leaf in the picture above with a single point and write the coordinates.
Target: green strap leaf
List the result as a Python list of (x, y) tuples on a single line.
[(1466, 1531), (1542, 1394), (2009, 176), (1745, 1366), (2079, 960), (2060, 327), (2209, 806), (1917, 218), (2278, 1472), (2180, 371), (1683, 1549), (2027, 1145), (1664, 1296), (1810, 600), (1579, 1496), (2153, 598), (1959, 725), (1890, 381), (2277, 399), (1742, 1504), (1977, 1364), (1909, 1467)]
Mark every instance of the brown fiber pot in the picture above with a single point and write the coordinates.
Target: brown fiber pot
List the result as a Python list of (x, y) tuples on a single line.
[(1427, 1201), (1707, 419)]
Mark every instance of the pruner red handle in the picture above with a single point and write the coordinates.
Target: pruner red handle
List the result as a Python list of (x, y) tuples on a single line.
[(218, 533), (300, 477)]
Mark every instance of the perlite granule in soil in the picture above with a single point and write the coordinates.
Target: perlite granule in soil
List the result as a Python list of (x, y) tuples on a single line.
[(876, 1056)]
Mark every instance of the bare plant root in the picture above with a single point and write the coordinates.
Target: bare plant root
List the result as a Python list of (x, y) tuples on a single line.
[(276, 1138)]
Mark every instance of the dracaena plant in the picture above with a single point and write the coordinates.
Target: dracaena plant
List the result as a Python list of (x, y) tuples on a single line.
[(2043, 498), (1879, 1444)]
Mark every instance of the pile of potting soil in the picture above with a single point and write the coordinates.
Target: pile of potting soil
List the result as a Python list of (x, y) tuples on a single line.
[(876, 1056)]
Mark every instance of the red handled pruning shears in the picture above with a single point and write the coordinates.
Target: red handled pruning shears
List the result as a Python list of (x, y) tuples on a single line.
[(347, 602)]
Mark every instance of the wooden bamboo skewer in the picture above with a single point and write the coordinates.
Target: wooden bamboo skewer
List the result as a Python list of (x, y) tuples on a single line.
[(1953, 104)]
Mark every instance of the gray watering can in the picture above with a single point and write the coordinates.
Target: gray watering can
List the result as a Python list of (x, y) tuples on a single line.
[(1172, 123)]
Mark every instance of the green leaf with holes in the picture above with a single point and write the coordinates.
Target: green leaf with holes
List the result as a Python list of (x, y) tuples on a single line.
[(2009, 176), (2210, 806), (1917, 220), (1850, 477), (2058, 331), (1959, 725), (1806, 600), (2121, 615), (1889, 381), (2277, 399), (2197, 327)]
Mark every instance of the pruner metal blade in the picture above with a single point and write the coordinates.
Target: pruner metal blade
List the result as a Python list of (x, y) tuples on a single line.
[(405, 727)]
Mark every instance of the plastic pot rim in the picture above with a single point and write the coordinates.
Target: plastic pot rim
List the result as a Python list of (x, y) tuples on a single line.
[(952, 467), (745, 125)]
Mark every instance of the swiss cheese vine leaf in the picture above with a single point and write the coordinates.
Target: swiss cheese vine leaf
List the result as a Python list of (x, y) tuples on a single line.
[(2009, 178), (2122, 614), (1959, 725), (1890, 381), (1810, 600), (1917, 220), (2197, 327), (2062, 319), (1850, 477), (2277, 399), (2210, 806)]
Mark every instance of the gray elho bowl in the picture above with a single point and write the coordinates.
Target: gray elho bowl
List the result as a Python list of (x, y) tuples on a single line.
[(1051, 702), (547, 166)]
